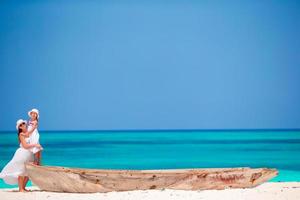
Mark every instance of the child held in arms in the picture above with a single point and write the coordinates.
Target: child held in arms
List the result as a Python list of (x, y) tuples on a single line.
[(35, 136)]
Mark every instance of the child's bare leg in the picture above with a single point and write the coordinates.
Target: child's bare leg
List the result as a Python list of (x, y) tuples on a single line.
[(38, 158), (34, 159)]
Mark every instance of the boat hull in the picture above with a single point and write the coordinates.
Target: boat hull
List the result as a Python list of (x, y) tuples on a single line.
[(62, 179)]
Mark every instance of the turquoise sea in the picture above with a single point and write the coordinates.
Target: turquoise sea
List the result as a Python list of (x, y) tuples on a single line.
[(166, 149)]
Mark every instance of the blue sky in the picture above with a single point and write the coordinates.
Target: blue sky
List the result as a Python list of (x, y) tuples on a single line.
[(101, 65)]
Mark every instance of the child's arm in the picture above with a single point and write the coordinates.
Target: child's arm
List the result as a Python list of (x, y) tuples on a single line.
[(34, 123), (29, 132)]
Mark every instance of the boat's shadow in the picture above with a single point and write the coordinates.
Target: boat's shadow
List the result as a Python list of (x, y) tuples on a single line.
[(28, 191)]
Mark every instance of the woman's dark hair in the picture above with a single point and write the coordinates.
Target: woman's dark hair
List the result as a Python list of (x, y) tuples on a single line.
[(19, 131)]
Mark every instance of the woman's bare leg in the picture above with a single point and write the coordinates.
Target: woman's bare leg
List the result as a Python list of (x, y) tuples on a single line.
[(25, 181), (21, 183)]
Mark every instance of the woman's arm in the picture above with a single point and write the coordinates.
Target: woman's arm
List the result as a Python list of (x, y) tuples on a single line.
[(25, 145)]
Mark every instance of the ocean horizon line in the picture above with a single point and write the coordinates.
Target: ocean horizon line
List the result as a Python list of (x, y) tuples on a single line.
[(166, 130)]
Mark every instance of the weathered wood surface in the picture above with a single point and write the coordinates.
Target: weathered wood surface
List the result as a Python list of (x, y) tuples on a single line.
[(61, 179)]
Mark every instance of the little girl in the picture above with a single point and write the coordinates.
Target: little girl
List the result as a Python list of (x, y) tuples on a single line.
[(35, 136)]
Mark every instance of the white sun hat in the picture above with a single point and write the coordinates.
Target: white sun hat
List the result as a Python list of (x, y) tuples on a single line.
[(34, 110), (19, 122)]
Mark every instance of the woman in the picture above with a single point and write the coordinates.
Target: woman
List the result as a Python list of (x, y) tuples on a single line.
[(14, 172)]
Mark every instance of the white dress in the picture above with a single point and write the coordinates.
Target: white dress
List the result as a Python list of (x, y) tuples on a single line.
[(34, 139), (16, 167)]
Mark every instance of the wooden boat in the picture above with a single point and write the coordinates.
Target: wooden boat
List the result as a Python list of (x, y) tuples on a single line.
[(62, 179)]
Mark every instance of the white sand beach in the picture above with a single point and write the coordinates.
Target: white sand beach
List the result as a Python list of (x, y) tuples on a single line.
[(266, 191)]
